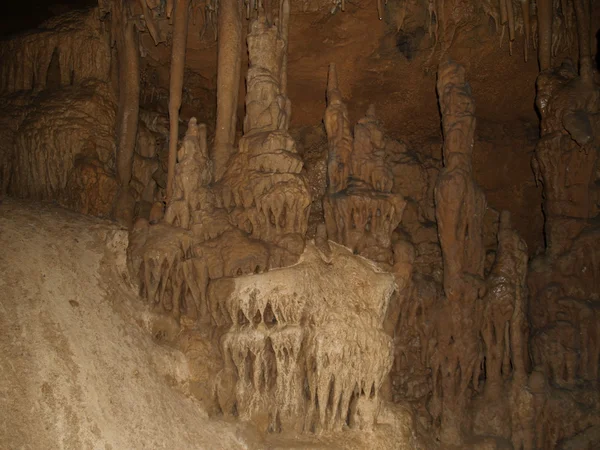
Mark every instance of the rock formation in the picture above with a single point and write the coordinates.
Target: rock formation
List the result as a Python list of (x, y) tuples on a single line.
[(566, 155), (309, 356), (564, 281), (59, 115), (460, 206), (360, 210), (461, 344), (317, 377), (253, 220), (263, 188), (303, 263), (71, 133)]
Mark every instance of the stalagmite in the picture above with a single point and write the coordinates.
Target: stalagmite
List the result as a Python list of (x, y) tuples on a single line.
[(544, 20), (503, 327), (460, 205), (526, 25), (180, 27), (129, 98), (339, 134), (263, 183), (228, 82), (361, 212)]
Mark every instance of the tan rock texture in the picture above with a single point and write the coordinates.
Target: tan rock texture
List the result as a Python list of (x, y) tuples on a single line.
[(322, 376), (57, 133), (360, 210), (78, 368)]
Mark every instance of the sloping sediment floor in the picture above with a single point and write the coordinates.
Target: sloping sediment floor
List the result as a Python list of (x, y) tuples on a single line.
[(76, 370)]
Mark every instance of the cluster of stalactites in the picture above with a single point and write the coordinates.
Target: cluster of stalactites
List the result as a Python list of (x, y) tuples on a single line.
[(173, 277), (172, 281), (549, 26), (316, 377)]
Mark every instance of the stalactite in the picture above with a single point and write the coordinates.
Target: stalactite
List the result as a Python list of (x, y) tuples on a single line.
[(339, 361), (503, 18), (129, 98), (511, 24), (433, 16), (583, 28), (228, 81), (180, 27), (151, 24), (526, 26), (544, 20)]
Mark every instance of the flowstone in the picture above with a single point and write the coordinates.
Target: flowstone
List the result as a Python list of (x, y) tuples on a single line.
[(305, 343)]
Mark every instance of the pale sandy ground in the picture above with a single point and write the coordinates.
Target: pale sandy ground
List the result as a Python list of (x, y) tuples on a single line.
[(78, 369), (74, 372)]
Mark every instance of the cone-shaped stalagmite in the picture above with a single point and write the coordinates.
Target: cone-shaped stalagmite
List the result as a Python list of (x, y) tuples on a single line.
[(180, 26)]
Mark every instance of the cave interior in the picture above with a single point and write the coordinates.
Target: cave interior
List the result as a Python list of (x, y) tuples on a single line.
[(360, 223)]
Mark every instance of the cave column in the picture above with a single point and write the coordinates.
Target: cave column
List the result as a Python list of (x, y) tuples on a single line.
[(180, 28), (129, 102), (228, 81)]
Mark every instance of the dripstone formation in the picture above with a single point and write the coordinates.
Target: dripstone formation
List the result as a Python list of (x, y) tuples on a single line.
[(333, 278), (290, 343)]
